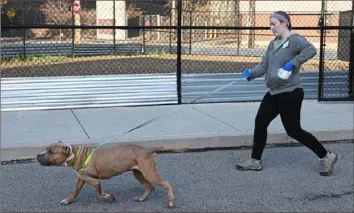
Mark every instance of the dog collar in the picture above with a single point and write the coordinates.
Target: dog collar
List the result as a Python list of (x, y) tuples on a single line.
[(70, 157)]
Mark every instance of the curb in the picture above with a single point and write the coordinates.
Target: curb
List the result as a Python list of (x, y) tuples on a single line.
[(19, 155)]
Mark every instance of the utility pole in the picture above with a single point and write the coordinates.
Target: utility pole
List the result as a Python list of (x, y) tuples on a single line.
[(77, 22)]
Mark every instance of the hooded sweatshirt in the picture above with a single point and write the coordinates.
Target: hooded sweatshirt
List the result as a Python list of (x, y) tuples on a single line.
[(294, 48)]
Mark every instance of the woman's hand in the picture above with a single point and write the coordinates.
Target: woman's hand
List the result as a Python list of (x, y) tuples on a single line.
[(286, 71), (247, 74)]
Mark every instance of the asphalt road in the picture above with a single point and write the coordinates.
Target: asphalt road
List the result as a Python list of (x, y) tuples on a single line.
[(204, 181)]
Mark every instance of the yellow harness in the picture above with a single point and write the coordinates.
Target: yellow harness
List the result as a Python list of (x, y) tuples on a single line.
[(83, 167)]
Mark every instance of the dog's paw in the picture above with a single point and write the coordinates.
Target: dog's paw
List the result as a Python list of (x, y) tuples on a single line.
[(110, 197), (139, 199), (65, 202), (171, 203)]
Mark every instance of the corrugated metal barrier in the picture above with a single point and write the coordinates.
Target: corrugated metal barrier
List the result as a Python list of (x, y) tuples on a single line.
[(336, 84), (197, 85), (136, 90), (87, 91)]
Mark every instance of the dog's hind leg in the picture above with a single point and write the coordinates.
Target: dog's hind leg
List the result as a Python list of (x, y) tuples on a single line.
[(166, 185), (149, 170), (148, 186)]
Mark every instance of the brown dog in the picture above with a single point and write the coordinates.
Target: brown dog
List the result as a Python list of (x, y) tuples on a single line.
[(103, 163)]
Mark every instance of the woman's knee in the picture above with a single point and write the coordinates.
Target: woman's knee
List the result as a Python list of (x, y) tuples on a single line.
[(294, 131), (261, 123)]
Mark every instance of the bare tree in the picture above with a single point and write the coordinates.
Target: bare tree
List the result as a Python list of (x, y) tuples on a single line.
[(132, 11), (57, 12)]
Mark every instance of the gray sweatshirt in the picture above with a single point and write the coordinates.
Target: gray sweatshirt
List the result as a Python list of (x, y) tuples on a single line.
[(295, 49)]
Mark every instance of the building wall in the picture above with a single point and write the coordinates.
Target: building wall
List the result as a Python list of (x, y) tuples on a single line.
[(302, 14), (105, 16), (296, 6), (264, 36)]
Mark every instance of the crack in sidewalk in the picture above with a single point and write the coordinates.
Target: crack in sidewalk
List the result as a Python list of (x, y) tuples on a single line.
[(82, 127), (210, 116)]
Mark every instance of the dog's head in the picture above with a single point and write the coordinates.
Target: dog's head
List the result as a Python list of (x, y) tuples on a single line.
[(56, 154)]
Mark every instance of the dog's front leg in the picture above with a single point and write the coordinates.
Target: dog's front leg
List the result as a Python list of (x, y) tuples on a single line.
[(96, 185), (79, 184)]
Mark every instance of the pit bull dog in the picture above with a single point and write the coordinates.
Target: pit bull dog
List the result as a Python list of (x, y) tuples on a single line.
[(103, 163)]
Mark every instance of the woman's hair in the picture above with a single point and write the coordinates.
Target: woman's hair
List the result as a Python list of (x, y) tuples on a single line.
[(285, 15)]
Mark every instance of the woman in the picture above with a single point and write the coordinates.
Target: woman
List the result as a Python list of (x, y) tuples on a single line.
[(281, 64)]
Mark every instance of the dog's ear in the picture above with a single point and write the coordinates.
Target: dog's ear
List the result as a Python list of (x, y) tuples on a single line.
[(66, 150)]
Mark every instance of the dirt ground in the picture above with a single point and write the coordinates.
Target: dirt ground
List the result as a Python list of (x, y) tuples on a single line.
[(142, 64)]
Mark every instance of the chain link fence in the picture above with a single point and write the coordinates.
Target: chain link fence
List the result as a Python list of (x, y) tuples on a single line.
[(29, 49), (336, 78), (51, 38)]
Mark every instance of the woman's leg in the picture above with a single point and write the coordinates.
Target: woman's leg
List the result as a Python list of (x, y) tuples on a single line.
[(290, 109), (289, 105), (266, 113)]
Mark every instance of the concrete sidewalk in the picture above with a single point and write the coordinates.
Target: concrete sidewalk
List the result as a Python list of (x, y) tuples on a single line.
[(25, 133)]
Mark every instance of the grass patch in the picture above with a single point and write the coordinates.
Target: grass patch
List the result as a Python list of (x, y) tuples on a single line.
[(158, 62), (39, 60)]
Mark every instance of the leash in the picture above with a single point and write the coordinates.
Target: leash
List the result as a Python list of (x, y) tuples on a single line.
[(169, 112), (87, 159)]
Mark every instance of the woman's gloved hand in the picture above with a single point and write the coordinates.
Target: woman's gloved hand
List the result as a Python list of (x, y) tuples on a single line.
[(247, 74), (286, 71)]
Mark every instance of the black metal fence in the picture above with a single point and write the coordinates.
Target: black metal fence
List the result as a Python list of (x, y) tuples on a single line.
[(50, 38)]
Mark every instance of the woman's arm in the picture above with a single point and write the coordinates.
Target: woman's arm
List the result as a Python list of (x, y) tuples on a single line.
[(306, 49), (261, 68)]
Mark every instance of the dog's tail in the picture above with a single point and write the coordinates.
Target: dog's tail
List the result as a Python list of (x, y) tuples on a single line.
[(157, 149), (166, 149)]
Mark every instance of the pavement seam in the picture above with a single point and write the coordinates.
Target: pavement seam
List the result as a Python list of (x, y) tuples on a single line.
[(336, 113), (78, 121), (210, 116)]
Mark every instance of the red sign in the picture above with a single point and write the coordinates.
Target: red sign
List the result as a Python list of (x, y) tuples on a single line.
[(76, 8)]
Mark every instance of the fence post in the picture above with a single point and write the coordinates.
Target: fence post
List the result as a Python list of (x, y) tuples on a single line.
[(179, 51), (321, 62), (72, 30), (24, 43), (143, 48), (351, 57), (23, 30), (190, 31), (170, 42), (114, 29)]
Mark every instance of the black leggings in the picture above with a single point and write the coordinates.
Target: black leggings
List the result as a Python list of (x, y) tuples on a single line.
[(288, 105)]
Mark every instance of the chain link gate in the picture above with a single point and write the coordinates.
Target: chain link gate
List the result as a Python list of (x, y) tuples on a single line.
[(336, 74)]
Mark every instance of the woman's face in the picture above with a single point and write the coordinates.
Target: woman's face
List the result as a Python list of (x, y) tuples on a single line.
[(278, 28)]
